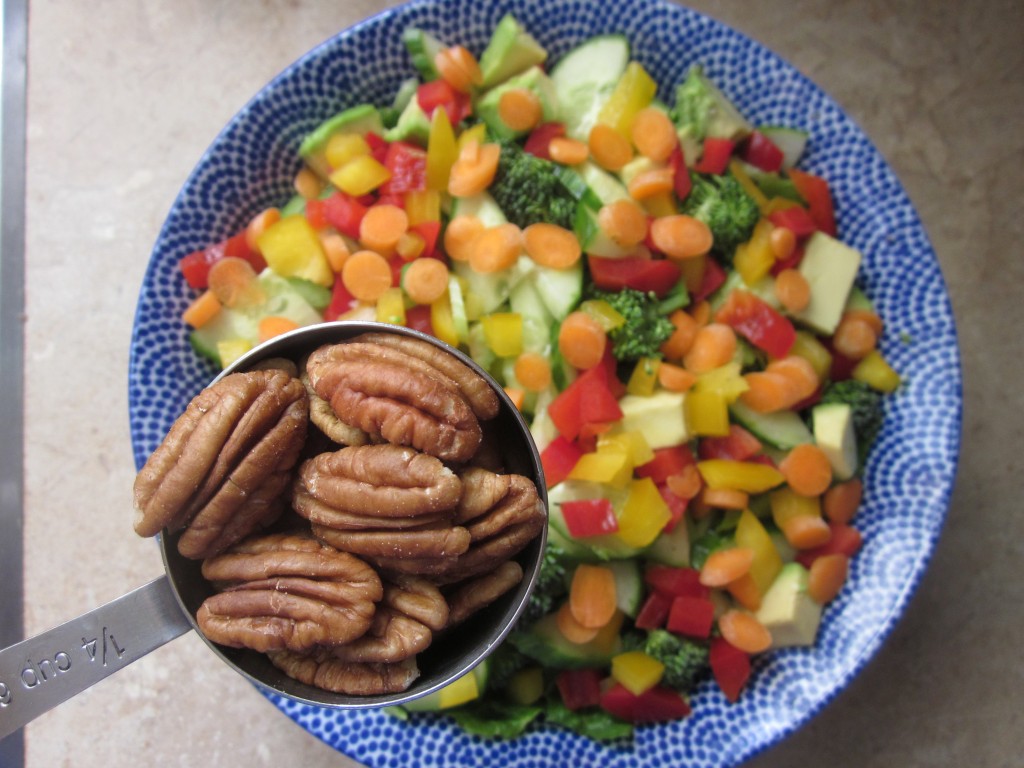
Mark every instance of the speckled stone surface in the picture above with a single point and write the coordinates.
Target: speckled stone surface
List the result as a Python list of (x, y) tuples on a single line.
[(124, 97)]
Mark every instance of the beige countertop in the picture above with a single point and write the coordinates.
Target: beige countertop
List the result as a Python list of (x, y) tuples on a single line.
[(123, 97)]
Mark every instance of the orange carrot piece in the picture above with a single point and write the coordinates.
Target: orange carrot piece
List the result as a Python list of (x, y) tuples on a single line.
[(713, 346), (746, 592), (366, 275), (744, 631), (725, 498), (792, 290), (806, 531), (592, 595), (581, 340), (307, 184), (647, 184), (681, 236), (653, 134), (609, 148), (233, 281), (202, 309), (259, 224), (800, 373), (701, 311), (675, 378), (274, 325), (335, 249), (624, 222), (520, 109), (568, 151), (827, 576), (686, 483), (854, 338), (869, 317), (459, 68), (551, 245), (679, 343), (571, 629), (724, 566), (517, 396), (381, 228), (474, 169), (841, 501), (782, 241), (425, 280), (496, 248), (533, 371), (807, 470), (768, 392), (460, 234)]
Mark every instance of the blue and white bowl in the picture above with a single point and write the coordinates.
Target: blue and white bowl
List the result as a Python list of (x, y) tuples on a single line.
[(910, 474)]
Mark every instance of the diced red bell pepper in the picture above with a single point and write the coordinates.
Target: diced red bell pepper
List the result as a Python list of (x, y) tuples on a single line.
[(681, 181), (842, 366), (378, 146), (438, 93), (408, 166), (676, 508), (761, 152), (715, 157), (558, 459), (810, 401), (341, 301), (316, 213), (637, 272), (691, 616), (430, 231), (539, 140), (195, 267), (815, 191), (796, 218), (344, 213), (738, 445), (579, 688), (730, 667), (654, 612), (586, 440), (759, 323), (417, 317), (714, 277), (589, 517), (666, 462), (655, 705), (845, 540), (587, 400), (675, 581)]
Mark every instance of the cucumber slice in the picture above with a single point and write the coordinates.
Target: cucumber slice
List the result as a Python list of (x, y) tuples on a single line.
[(559, 289), (422, 47), (672, 548), (483, 206), (606, 187), (585, 77), (490, 291), (545, 643), (592, 238), (629, 586), (791, 141), (783, 429), (361, 119)]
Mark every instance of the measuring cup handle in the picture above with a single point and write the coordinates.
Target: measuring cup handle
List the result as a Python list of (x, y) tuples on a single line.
[(39, 673)]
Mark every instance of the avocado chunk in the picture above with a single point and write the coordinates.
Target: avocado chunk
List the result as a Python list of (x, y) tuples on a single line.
[(361, 119), (510, 51), (788, 611), (544, 642), (835, 435), (703, 111), (660, 417), (533, 80), (830, 268), (413, 125)]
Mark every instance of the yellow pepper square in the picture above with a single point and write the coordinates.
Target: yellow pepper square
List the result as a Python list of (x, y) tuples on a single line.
[(636, 671)]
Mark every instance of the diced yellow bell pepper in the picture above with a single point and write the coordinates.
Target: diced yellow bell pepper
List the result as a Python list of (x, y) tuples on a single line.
[(343, 147), (632, 443), (442, 322), (779, 204), (786, 505), (741, 175), (636, 671), (707, 414), (767, 562), (477, 133), (874, 371), (422, 205), (526, 686), (610, 467), (807, 346), (292, 248), (442, 151), (643, 515), (661, 205), (644, 378), (229, 350), (460, 691), (634, 91), (503, 332), (754, 259), (746, 476), (360, 176), (606, 315), (391, 307), (726, 381)]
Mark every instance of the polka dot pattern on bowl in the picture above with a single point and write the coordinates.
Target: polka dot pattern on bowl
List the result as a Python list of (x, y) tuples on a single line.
[(910, 473)]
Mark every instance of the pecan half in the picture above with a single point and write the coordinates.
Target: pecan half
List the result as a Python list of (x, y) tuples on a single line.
[(220, 471), (288, 591), (468, 597), (326, 420), (321, 669), (396, 396)]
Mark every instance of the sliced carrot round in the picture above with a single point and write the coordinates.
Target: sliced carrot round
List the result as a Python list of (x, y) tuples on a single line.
[(274, 325), (568, 151), (792, 290), (474, 169), (724, 566), (592, 598), (653, 134), (259, 224), (496, 248), (768, 392), (459, 68), (425, 280), (806, 531), (675, 378), (551, 245), (842, 500), (679, 343), (807, 470), (460, 234), (533, 371), (647, 184), (680, 236), (713, 346), (366, 275), (744, 631), (234, 282), (624, 222), (581, 340), (382, 227), (800, 373), (571, 629), (782, 241), (726, 498), (854, 338), (827, 576), (520, 109), (686, 483), (609, 148)]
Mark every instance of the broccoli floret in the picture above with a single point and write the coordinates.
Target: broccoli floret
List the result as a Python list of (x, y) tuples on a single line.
[(528, 190), (727, 209), (646, 327), (684, 659), (505, 662), (866, 404), (550, 586)]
